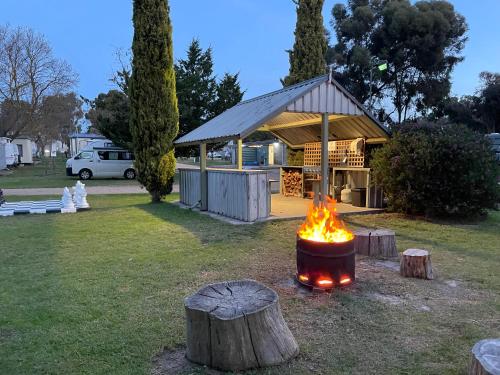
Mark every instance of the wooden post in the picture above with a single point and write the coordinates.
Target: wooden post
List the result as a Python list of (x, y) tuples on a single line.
[(367, 189), (324, 156), (239, 154), (203, 178)]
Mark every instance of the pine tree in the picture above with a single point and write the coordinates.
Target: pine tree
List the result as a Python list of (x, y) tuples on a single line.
[(196, 90), (154, 117), (228, 93), (308, 56)]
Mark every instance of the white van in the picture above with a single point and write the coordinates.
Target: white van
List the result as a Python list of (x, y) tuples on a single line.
[(102, 162)]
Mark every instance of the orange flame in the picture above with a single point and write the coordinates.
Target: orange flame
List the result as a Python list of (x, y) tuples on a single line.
[(323, 225)]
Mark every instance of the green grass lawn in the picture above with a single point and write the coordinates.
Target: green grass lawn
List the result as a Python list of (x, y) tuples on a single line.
[(101, 292), (50, 174)]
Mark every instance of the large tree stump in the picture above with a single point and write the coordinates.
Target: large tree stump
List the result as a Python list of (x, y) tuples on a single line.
[(416, 263), (376, 243), (485, 358), (237, 325)]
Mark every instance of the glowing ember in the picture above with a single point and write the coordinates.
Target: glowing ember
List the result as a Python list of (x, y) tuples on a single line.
[(324, 282), (304, 278), (323, 225), (345, 280)]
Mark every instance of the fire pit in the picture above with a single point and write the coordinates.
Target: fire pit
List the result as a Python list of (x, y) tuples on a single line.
[(325, 249)]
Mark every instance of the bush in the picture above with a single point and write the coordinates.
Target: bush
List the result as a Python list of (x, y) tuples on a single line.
[(437, 170)]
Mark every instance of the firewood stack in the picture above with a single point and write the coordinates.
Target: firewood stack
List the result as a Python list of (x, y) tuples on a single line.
[(292, 183)]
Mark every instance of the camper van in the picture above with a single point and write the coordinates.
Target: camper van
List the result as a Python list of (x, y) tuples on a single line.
[(11, 152), (101, 161)]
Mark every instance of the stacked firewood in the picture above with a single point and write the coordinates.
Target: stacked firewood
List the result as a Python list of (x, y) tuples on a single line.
[(292, 184)]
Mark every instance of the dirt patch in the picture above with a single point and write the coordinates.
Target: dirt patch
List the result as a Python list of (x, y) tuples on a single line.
[(174, 362)]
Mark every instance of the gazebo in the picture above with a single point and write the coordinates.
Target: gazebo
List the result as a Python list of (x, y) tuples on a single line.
[(313, 114)]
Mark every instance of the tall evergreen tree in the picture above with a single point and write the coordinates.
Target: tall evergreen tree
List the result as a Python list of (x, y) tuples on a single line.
[(308, 56), (196, 90), (228, 93), (154, 117), (420, 41)]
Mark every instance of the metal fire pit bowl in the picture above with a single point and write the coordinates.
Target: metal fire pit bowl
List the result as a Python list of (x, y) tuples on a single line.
[(325, 265)]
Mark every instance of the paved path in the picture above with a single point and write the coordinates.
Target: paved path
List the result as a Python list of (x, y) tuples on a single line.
[(91, 190), (97, 190)]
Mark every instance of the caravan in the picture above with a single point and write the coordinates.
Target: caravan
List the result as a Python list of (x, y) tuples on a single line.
[(101, 159), (11, 152)]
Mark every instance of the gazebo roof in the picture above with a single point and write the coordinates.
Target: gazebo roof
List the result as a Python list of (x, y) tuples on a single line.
[(293, 114)]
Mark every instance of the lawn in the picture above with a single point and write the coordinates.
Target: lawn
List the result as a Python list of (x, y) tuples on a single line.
[(101, 292), (50, 174)]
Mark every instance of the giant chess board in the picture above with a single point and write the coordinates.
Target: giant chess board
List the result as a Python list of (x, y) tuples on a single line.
[(69, 203)]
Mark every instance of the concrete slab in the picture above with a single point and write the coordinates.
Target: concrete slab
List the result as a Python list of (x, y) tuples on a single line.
[(295, 208)]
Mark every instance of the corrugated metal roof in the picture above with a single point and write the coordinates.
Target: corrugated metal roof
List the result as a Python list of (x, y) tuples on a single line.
[(87, 135), (301, 102)]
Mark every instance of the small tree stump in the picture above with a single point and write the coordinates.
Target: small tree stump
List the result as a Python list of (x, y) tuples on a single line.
[(376, 243), (416, 263), (237, 325), (485, 358)]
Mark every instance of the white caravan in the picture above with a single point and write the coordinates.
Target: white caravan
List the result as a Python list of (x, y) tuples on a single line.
[(11, 152), (102, 162)]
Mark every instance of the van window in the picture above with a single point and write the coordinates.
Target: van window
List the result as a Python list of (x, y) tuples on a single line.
[(108, 155), (84, 155), (125, 155)]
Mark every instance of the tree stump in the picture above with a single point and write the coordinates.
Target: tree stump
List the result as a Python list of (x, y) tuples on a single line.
[(485, 358), (416, 263), (237, 325), (376, 243)]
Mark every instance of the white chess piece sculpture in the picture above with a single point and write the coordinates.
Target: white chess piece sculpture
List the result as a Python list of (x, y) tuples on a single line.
[(81, 196), (68, 206)]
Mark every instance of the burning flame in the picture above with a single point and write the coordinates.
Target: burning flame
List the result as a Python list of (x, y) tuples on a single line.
[(323, 225)]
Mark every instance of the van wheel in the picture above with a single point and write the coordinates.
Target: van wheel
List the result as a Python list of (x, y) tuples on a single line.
[(129, 174), (85, 174)]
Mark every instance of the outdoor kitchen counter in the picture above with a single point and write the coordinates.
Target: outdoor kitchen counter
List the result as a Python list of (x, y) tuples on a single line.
[(238, 194)]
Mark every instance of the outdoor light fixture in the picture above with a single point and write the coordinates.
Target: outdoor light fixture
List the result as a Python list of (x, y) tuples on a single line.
[(381, 65)]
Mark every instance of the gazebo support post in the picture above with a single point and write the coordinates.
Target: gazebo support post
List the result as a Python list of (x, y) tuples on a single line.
[(239, 154), (324, 156), (203, 178)]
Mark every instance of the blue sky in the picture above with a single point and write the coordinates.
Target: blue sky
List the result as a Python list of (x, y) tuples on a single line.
[(249, 36)]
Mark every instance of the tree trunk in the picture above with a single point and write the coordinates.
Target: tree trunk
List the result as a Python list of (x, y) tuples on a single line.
[(237, 325), (416, 263), (485, 358), (376, 243)]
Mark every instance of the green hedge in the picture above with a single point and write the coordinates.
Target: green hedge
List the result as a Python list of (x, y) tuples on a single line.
[(437, 170)]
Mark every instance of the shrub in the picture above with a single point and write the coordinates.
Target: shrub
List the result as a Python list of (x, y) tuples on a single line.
[(437, 170)]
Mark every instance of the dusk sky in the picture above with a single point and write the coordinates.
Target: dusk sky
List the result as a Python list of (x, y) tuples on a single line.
[(247, 36)]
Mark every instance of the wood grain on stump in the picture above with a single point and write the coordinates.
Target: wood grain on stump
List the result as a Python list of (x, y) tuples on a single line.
[(485, 358), (237, 325), (376, 243), (416, 263)]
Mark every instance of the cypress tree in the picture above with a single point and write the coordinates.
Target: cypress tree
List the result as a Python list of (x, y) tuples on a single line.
[(154, 117), (308, 56)]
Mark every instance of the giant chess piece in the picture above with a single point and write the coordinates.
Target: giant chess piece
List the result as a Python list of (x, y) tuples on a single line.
[(80, 196), (68, 206)]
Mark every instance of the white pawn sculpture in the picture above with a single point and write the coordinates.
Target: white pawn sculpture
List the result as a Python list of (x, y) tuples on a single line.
[(68, 206), (81, 196)]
